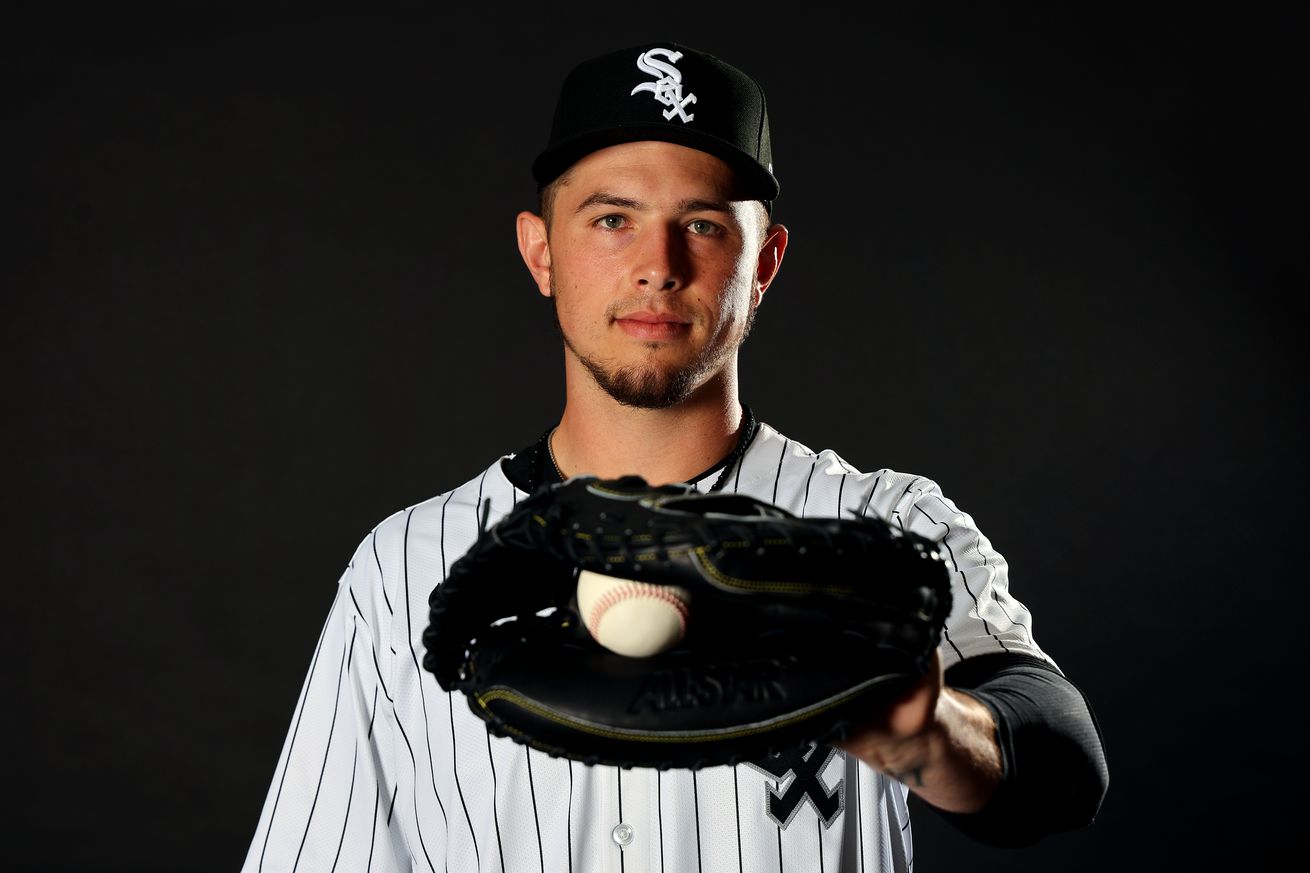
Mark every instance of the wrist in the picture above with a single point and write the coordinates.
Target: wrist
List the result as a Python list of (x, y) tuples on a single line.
[(953, 763), (962, 767)]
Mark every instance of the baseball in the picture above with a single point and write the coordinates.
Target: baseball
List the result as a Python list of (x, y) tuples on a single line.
[(636, 619)]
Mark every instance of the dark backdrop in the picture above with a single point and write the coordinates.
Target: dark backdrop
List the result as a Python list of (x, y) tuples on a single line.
[(261, 290)]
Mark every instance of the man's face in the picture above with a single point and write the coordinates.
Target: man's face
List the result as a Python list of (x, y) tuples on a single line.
[(653, 261)]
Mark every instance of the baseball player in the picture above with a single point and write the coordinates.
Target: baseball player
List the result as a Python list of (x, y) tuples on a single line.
[(656, 246)]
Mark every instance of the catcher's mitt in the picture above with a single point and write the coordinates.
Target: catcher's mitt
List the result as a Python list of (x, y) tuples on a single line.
[(799, 628)]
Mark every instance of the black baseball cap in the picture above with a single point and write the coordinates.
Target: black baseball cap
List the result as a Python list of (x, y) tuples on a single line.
[(662, 91)]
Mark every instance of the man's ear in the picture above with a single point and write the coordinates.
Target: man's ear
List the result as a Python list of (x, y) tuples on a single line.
[(770, 260), (535, 249)]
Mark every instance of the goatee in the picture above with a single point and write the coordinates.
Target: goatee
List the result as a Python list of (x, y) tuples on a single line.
[(642, 387), (636, 386), (648, 387)]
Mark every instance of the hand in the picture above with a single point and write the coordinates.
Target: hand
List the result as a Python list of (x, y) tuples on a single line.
[(896, 740), (938, 741)]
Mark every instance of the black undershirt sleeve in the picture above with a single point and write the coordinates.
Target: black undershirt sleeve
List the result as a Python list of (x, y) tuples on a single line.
[(1052, 754)]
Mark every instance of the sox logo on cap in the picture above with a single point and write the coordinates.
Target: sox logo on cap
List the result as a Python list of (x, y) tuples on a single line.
[(602, 104), (667, 89)]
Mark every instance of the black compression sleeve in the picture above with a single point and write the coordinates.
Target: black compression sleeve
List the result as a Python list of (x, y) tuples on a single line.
[(1052, 755)]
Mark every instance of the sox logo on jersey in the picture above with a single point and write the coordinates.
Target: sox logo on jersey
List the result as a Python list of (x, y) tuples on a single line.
[(801, 771), (667, 87)]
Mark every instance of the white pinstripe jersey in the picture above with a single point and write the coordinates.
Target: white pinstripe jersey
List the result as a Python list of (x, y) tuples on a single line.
[(383, 771)]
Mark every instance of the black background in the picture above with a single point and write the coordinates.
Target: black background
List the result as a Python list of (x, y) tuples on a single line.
[(261, 290)]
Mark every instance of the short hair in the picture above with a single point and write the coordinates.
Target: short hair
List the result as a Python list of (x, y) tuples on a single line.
[(546, 199)]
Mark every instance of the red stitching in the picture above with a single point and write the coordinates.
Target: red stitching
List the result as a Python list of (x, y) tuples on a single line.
[(628, 590)]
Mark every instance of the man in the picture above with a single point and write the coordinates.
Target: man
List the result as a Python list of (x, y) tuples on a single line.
[(656, 247)]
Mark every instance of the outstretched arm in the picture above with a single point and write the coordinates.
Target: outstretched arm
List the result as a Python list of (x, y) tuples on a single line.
[(1003, 745), (938, 741)]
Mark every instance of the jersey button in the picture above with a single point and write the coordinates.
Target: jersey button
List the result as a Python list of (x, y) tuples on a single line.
[(623, 835)]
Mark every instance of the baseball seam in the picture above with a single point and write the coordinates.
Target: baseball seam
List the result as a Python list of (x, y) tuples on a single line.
[(629, 591)]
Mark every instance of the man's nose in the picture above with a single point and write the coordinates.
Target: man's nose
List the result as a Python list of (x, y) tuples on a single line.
[(661, 259)]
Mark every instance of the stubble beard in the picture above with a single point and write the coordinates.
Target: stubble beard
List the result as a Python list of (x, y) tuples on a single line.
[(644, 387)]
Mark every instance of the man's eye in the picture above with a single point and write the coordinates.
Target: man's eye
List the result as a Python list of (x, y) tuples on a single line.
[(702, 227), (611, 222)]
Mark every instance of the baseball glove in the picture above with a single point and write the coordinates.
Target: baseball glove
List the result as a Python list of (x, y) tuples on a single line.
[(798, 629)]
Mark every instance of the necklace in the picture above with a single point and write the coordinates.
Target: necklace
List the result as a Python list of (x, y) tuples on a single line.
[(550, 450), (743, 440), (749, 426)]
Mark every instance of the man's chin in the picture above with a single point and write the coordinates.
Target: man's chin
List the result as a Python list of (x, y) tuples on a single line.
[(645, 387), (650, 394)]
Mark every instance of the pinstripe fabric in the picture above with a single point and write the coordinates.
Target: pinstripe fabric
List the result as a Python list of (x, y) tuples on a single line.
[(382, 771)]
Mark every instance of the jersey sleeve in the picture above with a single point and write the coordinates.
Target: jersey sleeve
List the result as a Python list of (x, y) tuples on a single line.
[(985, 616), (329, 802)]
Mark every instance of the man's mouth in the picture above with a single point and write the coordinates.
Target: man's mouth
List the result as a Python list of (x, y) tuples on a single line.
[(647, 325)]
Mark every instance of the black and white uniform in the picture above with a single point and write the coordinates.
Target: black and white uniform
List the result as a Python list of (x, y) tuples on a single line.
[(383, 771)]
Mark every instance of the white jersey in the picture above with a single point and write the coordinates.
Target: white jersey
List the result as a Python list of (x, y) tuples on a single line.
[(383, 771)]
